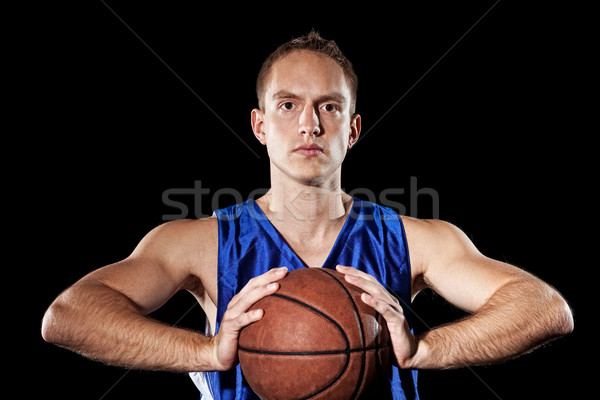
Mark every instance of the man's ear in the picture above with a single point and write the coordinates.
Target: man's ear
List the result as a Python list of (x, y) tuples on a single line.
[(257, 119), (354, 130)]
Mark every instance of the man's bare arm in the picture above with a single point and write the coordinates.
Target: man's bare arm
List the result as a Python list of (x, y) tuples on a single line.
[(518, 317), (104, 315), (512, 311), (101, 323)]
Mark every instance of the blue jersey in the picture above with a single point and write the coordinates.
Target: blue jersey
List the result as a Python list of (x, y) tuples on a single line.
[(371, 240)]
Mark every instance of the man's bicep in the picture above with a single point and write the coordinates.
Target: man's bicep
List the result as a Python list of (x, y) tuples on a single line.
[(143, 281), (452, 266), (158, 267)]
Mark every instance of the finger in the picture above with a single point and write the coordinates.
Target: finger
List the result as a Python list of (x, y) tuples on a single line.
[(271, 275), (354, 272), (371, 286), (234, 325), (245, 299), (403, 341), (257, 288), (391, 312), (226, 340)]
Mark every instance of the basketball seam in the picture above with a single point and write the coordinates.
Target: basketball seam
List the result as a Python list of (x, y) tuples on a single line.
[(319, 312), (346, 351), (362, 332), (310, 353), (377, 361)]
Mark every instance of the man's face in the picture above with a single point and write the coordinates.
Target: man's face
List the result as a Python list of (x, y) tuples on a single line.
[(306, 123)]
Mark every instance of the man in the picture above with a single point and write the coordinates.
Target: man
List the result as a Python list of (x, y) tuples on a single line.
[(307, 93)]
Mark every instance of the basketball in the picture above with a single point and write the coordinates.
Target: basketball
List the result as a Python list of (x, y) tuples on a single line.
[(316, 340)]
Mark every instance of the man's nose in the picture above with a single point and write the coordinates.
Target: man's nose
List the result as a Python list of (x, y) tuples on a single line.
[(309, 121)]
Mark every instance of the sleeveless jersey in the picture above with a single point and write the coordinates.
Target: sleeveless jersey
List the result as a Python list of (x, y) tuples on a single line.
[(372, 240)]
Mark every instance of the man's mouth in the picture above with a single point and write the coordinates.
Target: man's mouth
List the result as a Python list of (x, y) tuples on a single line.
[(309, 150)]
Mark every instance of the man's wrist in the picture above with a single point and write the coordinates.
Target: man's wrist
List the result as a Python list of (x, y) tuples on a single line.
[(420, 351)]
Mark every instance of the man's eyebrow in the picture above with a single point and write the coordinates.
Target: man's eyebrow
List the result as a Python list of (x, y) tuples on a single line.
[(334, 96), (284, 94)]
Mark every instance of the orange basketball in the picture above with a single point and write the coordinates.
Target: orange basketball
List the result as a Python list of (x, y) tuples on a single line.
[(316, 340)]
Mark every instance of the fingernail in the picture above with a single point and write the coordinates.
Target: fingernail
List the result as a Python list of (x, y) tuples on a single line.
[(272, 286), (281, 270), (352, 277), (342, 267)]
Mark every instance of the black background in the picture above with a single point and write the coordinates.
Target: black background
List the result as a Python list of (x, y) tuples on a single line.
[(118, 103)]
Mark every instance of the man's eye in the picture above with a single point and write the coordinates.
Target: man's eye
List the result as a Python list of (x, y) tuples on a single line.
[(288, 105), (330, 108)]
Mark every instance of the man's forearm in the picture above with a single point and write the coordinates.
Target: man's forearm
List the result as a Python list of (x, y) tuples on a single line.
[(519, 317), (104, 325)]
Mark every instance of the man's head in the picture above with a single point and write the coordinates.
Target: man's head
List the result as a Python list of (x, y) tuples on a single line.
[(312, 42), (306, 117)]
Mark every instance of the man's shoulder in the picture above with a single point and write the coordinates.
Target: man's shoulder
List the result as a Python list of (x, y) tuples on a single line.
[(430, 232), (430, 239), (181, 238), (183, 229), (426, 226)]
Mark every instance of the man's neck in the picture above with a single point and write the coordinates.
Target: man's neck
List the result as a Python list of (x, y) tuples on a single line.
[(306, 209)]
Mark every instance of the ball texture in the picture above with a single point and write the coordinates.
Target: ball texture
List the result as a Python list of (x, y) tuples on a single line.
[(316, 340)]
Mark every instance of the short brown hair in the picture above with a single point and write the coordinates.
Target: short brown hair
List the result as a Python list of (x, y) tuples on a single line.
[(314, 42)]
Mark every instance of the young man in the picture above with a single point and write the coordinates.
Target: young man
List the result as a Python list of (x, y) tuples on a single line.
[(307, 93)]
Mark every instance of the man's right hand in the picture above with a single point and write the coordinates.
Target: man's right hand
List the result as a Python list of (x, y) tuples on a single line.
[(237, 316)]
